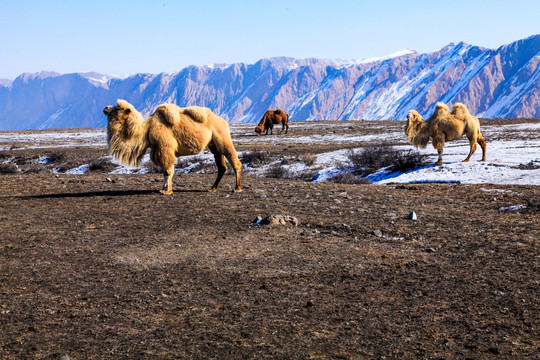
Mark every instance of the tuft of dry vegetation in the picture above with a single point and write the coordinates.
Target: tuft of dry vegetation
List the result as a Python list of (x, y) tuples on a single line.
[(375, 157), (102, 164), (277, 171), (256, 158), (8, 168), (308, 159), (348, 178)]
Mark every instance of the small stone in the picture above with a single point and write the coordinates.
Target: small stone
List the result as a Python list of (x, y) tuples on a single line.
[(430, 250), (276, 220), (108, 179), (412, 216), (377, 233)]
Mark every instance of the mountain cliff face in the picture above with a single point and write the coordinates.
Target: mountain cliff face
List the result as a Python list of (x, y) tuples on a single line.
[(501, 82)]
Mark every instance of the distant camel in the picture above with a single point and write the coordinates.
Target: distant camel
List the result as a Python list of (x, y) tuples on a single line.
[(445, 126), (170, 132), (270, 118)]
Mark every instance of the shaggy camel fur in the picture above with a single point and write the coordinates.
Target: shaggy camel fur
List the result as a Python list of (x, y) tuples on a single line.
[(170, 132), (445, 126), (270, 118)]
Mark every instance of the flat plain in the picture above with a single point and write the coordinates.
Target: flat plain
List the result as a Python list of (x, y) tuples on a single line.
[(101, 266)]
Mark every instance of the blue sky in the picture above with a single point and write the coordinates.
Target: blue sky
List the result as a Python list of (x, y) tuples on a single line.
[(127, 37)]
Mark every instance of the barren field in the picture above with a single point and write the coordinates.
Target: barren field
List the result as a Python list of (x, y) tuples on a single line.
[(101, 266)]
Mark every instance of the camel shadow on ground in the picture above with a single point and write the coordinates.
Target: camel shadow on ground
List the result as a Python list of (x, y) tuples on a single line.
[(112, 193)]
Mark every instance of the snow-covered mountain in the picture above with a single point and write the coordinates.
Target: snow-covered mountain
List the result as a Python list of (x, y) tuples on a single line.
[(501, 82)]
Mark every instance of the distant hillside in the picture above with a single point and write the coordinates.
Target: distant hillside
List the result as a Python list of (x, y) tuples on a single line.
[(501, 82)]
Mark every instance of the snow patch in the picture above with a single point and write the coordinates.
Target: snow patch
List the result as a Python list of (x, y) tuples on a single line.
[(350, 62)]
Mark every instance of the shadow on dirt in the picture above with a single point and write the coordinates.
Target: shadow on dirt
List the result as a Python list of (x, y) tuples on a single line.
[(105, 193)]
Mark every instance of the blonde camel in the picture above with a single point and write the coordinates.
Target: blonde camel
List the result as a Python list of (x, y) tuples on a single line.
[(170, 132), (444, 126)]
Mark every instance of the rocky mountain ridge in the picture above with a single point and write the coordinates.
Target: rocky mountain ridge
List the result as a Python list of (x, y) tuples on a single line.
[(501, 82)]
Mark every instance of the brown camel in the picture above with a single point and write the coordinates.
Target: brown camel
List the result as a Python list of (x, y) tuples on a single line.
[(270, 118), (444, 126), (170, 132)]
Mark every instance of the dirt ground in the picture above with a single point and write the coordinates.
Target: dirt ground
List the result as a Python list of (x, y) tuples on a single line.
[(101, 266)]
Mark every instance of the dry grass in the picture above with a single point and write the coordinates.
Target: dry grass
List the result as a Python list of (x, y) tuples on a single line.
[(8, 168), (375, 157)]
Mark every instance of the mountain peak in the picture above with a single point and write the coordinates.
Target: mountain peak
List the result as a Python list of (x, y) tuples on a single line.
[(349, 62), (308, 89), (5, 82), (38, 75)]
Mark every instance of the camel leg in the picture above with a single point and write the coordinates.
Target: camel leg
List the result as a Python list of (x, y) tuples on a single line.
[(165, 159), (440, 152), (472, 146), (221, 165), (282, 128), (483, 145), (232, 157), (167, 181), (438, 143), (237, 166)]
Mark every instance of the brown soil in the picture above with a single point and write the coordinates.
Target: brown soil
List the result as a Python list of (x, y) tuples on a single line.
[(102, 266)]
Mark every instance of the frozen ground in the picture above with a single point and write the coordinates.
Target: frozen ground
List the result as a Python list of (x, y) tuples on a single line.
[(513, 153)]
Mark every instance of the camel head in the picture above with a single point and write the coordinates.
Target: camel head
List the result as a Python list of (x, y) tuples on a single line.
[(259, 129), (125, 133), (122, 118), (121, 113), (413, 125)]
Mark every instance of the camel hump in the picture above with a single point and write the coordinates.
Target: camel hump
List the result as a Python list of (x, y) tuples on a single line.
[(168, 113), (441, 110), (441, 107), (196, 113), (460, 110)]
